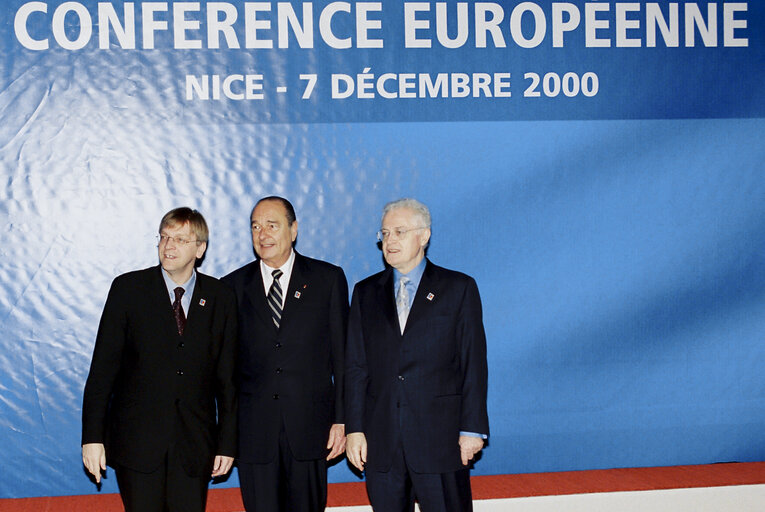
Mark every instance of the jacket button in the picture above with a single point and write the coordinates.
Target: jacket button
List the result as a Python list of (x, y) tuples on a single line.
[(278, 370), (276, 396), (179, 372), (278, 345), (181, 345), (400, 377)]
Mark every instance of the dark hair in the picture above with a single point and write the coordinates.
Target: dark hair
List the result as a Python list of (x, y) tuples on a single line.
[(182, 215), (291, 217)]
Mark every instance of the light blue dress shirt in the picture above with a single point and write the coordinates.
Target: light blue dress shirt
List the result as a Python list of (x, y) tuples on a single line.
[(414, 275), (188, 290)]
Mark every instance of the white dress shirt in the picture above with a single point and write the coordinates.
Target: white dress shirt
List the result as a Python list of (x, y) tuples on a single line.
[(284, 280)]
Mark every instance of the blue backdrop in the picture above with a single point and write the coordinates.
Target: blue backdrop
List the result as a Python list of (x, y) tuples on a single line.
[(616, 236)]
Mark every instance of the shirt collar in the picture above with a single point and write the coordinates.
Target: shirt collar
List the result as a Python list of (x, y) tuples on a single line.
[(286, 268), (414, 275), (188, 286)]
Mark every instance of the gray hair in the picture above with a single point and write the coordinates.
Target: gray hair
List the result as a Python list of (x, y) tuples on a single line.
[(413, 204)]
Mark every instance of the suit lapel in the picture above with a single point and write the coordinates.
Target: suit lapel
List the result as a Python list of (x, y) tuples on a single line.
[(195, 314), (162, 305), (386, 298), (297, 286), (425, 296), (255, 294)]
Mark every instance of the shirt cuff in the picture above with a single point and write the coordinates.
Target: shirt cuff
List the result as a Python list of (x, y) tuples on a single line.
[(474, 434)]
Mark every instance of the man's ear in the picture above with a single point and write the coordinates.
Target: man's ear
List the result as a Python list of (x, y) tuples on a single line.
[(425, 237), (201, 248)]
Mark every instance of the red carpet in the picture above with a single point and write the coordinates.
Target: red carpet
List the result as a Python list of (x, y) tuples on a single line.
[(484, 487)]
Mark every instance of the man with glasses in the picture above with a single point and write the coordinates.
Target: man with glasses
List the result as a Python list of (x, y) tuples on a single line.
[(160, 401), (416, 373), (292, 323)]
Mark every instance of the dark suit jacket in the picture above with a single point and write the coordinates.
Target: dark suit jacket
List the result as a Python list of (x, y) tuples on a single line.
[(295, 374), (422, 387), (149, 387)]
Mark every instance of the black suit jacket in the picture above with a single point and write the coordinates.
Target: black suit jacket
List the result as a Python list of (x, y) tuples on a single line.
[(149, 387), (293, 374), (423, 387)]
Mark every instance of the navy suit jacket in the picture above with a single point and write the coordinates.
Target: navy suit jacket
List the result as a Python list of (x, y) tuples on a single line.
[(150, 387), (293, 374), (423, 387)]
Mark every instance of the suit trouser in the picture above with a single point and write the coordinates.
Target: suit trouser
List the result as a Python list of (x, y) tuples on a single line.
[(166, 489), (284, 484), (395, 490)]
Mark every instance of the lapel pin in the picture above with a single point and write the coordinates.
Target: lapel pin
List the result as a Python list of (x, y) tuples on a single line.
[(297, 295), (430, 296), (305, 286), (202, 302)]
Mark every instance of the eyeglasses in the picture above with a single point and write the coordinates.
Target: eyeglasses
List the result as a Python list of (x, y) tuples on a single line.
[(398, 233), (163, 239)]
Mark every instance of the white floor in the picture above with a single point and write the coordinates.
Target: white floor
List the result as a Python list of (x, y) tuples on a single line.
[(742, 498)]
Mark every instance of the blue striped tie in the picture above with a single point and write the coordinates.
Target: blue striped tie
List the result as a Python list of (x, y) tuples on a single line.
[(275, 298)]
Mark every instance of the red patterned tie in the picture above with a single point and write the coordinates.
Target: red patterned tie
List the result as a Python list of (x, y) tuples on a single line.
[(180, 318)]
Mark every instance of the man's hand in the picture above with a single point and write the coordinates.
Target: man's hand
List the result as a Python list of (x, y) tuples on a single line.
[(94, 459), (356, 449), (222, 465), (469, 446), (336, 441)]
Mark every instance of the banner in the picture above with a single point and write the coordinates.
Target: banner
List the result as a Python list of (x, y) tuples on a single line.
[(596, 166)]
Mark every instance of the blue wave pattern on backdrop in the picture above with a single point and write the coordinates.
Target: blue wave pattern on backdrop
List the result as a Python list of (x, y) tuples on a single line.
[(616, 239)]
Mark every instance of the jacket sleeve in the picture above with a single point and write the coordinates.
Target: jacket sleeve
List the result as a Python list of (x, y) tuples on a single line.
[(105, 365), (226, 395), (356, 373), (473, 365), (338, 322)]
